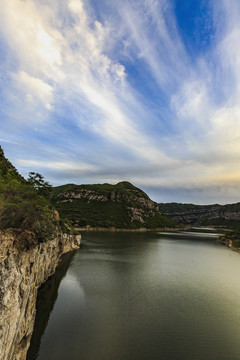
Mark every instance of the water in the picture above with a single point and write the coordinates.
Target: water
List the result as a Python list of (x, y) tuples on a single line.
[(143, 296)]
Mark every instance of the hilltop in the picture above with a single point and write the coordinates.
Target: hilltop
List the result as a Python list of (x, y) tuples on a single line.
[(104, 205)]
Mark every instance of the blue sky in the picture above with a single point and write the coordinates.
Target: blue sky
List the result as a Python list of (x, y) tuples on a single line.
[(148, 91)]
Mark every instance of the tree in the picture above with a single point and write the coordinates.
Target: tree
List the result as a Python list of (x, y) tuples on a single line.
[(40, 184)]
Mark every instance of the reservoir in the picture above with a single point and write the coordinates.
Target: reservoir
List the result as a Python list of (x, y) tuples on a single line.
[(141, 296)]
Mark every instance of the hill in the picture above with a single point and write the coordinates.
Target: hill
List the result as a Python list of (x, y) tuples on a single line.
[(104, 205), (203, 215)]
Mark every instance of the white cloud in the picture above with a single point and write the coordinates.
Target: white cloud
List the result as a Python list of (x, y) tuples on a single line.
[(46, 47), (27, 27), (77, 7)]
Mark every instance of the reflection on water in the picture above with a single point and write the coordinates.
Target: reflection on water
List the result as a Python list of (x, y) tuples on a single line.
[(144, 296)]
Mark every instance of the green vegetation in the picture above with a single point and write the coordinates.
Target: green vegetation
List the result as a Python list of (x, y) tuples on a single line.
[(123, 187), (104, 205), (179, 208), (175, 207), (7, 170), (232, 238), (21, 205), (235, 237)]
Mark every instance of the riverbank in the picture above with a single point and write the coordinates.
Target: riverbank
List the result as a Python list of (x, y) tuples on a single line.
[(230, 243)]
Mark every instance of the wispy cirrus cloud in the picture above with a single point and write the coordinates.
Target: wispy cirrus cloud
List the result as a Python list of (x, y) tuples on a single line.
[(116, 90), (69, 60)]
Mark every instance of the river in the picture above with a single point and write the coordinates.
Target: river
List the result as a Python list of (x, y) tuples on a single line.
[(141, 296)]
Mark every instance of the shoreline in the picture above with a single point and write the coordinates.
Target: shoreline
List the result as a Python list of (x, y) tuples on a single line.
[(221, 239), (113, 229)]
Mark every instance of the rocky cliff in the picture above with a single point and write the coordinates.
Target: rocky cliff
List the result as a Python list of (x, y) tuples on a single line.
[(103, 205), (203, 215), (24, 265)]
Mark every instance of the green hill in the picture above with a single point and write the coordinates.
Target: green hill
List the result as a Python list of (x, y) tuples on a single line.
[(104, 205)]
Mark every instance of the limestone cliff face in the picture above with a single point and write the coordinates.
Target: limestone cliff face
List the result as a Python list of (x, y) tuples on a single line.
[(22, 270), (89, 195), (114, 196)]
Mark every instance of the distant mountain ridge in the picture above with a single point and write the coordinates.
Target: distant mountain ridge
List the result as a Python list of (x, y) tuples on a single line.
[(104, 205), (203, 215)]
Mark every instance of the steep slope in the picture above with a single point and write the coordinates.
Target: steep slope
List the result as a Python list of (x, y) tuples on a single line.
[(190, 214), (7, 170), (103, 205), (21, 205)]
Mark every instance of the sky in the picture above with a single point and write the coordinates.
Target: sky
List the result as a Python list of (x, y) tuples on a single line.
[(102, 91)]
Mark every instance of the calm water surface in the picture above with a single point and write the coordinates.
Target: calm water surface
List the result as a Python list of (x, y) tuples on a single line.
[(141, 296)]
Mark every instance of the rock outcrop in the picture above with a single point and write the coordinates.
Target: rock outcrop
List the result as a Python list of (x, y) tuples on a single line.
[(24, 265)]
